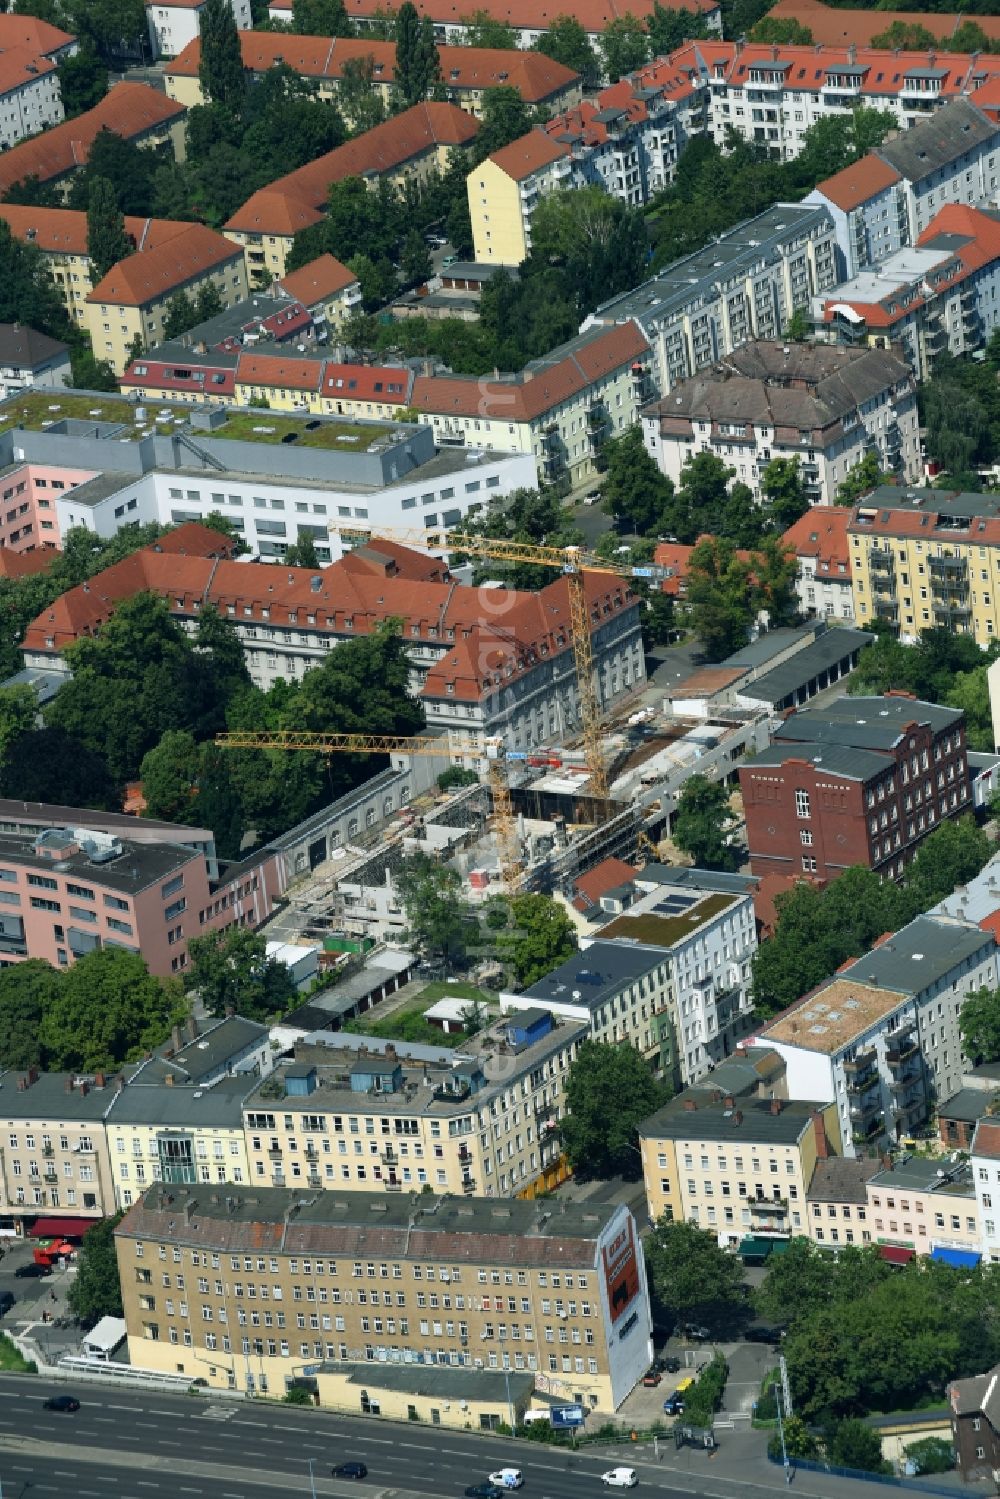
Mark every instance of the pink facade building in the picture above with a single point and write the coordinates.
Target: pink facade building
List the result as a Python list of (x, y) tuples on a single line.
[(28, 496)]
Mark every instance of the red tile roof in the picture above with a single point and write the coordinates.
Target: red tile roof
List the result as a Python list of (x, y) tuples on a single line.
[(986, 1141), (64, 230), (20, 66), (386, 383), (856, 184), (542, 385), (607, 875), (152, 274), (322, 278), (27, 31), (484, 656), (131, 110), (25, 564), (593, 15), (299, 197), (279, 371), (833, 27), (528, 154), (202, 379), (822, 533)]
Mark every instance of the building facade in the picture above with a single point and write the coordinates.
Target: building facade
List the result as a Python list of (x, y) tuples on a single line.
[(862, 781), (176, 24), (30, 97), (768, 400), (819, 542), (276, 1280), (928, 1206), (29, 359), (54, 1160), (837, 1200)]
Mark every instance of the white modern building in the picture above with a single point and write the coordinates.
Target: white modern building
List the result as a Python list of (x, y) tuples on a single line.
[(768, 400), (985, 1162), (175, 23), (30, 97)]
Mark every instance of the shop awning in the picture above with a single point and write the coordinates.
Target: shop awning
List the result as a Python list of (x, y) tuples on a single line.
[(66, 1228), (896, 1254), (959, 1259)]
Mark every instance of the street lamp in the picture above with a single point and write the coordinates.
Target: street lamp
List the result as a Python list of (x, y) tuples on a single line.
[(778, 1401), (312, 1476)]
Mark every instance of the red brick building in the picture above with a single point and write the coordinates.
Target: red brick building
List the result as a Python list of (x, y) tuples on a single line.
[(862, 781)]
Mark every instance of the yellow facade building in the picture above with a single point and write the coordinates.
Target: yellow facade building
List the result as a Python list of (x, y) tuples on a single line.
[(735, 1166), (177, 1133), (924, 560), (240, 1289), (54, 1161), (506, 188)]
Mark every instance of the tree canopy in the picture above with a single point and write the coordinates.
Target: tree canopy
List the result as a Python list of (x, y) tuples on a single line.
[(95, 1291), (691, 1278), (541, 937), (699, 827), (979, 1024), (610, 1090), (232, 972), (438, 919)]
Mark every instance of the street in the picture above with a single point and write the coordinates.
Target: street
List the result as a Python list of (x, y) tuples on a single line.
[(136, 1444)]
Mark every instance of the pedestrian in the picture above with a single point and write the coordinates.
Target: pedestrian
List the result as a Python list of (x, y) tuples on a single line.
[(52, 1295)]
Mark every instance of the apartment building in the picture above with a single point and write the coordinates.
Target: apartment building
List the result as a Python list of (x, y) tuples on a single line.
[(868, 210), (404, 150), (132, 110), (512, 673), (561, 408), (861, 781), (175, 466), (927, 560), (820, 543), (271, 1278), (483, 1120), (940, 296), (744, 286), (927, 1206), (527, 23), (465, 71), (735, 1166), (837, 1200), (177, 1133), (975, 1425), (176, 24), (670, 976), (938, 963), (30, 97), (129, 305), (506, 188), (54, 1160), (984, 1158), (29, 359), (330, 291), (32, 35), (768, 399)]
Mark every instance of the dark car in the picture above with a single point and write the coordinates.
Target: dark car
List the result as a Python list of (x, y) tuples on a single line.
[(6, 1302), (673, 1405), (696, 1331), (670, 1365), (61, 1403), (762, 1332), (350, 1470), (483, 1491), (32, 1271)]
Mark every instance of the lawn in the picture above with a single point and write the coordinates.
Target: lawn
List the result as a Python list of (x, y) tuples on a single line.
[(431, 993), (33, 408), (310, 432), (11, 1359)]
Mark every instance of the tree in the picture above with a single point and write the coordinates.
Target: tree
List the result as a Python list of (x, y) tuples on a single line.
[(111, 27), (784, 492), (83, 81), (690, 1277), (774, 570), (865, 475), (854, 1444), (624, 46), (567, 42), (418, 66), (634, 492), (610, 1090), (107, 242), (221, 73), (438, 918), (88, 373), (416, 258), (208, 302), (321, 18), (302, 552), (233, 974), (970, 37), (786, 32), (931, 1454), (699, 827), (456, 776), (979, 1023), (909, 36), (795, 1282), (668, 29), (27, 292), (505, 118), (122, 163), (797, 327), (719, 597), (951, 856), (18, 712), (483, 30), (95, 1290), (357, 95), (543, 937), (599, 242), (180, 315), (107, 1009), (27, 990)]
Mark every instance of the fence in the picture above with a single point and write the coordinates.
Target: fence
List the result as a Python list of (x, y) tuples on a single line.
[(814, 1466)]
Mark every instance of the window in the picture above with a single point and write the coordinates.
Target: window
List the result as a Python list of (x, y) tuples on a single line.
[(802, 804)]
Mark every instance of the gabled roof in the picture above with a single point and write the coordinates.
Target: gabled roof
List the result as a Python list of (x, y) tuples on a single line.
[(523, 15), (131, 110), (151, 274), (280, 371), (27, 348), (857, 183), (299, 198), (938, 141), (63, 231), (833, 27), (321, 278), (388, 384), (28, 31), (528, 154), (21, 66), (822, 533), (607, 875)]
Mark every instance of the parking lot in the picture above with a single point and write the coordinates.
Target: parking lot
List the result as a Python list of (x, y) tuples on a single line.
[(33, 1297), (748, 1363)]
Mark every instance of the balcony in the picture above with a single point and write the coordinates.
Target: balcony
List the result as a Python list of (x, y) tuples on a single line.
[(311, 1153), (886, 609), (901, 1049), (946, 614), (948, 567), (278, 1179), (468, 1185), (881, 561), (389, 1154), (860, 1075), (769, 1207), (274, 1151), (314, 1179)]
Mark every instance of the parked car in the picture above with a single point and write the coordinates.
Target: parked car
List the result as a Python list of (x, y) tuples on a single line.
[(449, 260), (61, 1403), (349, 1470), (7, 1300), (620, 1478), (507, 1478), (652, 1377), (674, 1405), (483, 1491), (762, 1332), (32, 1271), (696, 1331), (670, 1365)]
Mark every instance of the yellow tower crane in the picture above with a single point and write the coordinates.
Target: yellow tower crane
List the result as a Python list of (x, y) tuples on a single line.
[(575, 563), (493, 751)]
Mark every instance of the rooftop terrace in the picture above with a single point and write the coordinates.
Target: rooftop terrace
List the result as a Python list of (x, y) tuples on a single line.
[(42, 408), (302, 432)]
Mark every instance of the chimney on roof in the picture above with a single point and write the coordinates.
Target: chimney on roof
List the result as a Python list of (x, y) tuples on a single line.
[(819, 1130), (191, 1028), (730, 1101), (230, 1011), (690, 1105), (737, 1116), (84, 1089), (775, 1105), (98, 1079), (119, 1083), (68, 1085), (175, 1036)]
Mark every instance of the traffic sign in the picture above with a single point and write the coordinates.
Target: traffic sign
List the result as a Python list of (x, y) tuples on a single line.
[(567, 1415)]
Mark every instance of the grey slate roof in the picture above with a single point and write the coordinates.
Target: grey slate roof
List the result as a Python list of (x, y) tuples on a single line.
[(842, 1179), (751, 1120), (872, 723), (184, 1107), (718, 880), (445, 1383), (804, 386), (825, 651), (967, 1105), (26, 348), (51, 1097), (936, 142), (596, 974), (919, 955), (221, 1042), (855, 765)]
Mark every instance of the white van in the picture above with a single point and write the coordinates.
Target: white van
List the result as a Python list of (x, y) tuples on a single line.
[(507, 1478), (530, 1417), (620, 1478)]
